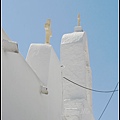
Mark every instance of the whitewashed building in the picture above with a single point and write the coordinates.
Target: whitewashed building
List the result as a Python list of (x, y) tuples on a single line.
[(40, 87)]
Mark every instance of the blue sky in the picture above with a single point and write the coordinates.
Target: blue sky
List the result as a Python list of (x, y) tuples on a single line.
[(23, 21)]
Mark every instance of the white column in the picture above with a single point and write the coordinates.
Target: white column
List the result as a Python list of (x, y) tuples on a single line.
[(75, 59)]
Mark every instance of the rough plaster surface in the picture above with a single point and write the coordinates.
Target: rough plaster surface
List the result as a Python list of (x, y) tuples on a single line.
[(75, 59)]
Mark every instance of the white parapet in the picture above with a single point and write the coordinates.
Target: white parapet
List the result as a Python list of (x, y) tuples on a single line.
[(32, 88), (38, 58), (45, 63), (5, 36), (75, 59), (9, 46)]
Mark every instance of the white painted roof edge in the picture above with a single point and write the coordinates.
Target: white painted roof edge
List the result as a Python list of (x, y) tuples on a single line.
[(5, 36), (10, 46), (7, 44), (72, 37)]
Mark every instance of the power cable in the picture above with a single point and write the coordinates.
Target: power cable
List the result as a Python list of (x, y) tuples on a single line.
[(108, 102), (101, 91)]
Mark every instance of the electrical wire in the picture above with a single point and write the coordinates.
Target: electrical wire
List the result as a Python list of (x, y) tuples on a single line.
[(108, 102), (101, 91), (84, 86)]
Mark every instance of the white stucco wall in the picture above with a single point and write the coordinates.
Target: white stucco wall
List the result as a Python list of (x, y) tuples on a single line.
[(45, 63), (75, 59), (21, 86), (38, 58), (21, 98), (22, 80), (55, 93)]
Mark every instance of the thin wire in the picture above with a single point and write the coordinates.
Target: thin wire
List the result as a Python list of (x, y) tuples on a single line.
[(108, 102), (101, 91), (86, 87)]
